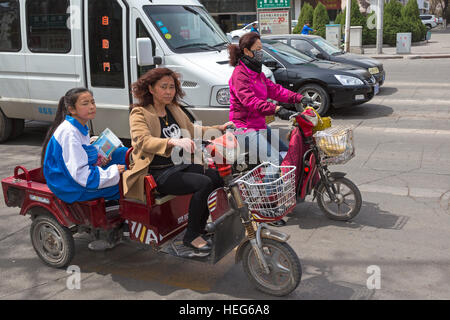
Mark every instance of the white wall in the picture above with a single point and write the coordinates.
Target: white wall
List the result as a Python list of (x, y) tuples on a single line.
[(297, 5)]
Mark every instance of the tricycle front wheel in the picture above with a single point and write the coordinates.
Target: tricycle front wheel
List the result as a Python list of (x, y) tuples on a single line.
[(284, 265), (52, 242)]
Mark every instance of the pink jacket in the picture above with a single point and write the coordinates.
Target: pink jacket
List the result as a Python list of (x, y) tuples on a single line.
[(249, 92)]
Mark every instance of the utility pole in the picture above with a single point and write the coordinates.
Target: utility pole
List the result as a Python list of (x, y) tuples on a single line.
[(347, 26), (380, 26)]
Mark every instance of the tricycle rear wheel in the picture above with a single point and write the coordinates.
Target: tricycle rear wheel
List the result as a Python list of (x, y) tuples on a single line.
[(52, 242), (284, 265)]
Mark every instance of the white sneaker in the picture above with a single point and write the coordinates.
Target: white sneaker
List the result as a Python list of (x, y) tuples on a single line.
[(101, 245)]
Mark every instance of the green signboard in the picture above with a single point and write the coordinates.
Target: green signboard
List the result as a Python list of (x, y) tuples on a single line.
[(273, 4)]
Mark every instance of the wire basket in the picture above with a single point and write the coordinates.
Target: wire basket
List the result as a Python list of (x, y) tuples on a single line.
[(335, 145), (269, 190)]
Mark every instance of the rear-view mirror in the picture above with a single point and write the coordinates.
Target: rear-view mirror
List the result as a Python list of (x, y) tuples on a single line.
[(144, 52), (272, 64)]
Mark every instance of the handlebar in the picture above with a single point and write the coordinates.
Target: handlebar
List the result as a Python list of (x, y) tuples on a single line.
[(25, 171)]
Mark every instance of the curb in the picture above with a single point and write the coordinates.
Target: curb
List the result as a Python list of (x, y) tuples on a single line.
[(412, 56)]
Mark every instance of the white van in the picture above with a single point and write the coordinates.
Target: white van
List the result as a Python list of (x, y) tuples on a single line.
[(50, 46)]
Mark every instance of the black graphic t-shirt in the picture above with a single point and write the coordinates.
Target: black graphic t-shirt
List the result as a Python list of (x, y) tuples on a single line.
[(169, 130)]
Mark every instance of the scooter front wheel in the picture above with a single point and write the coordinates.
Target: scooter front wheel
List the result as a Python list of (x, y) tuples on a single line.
[(284, 266), (347, 203)]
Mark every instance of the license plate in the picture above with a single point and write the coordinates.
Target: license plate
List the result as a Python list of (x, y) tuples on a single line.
[(270, 119), (376, 89)]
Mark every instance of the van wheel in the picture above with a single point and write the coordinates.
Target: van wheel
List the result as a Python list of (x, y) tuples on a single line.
[(6, 126), (18, 125), (319, 96)]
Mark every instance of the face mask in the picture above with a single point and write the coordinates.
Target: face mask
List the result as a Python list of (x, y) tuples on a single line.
[(258, 55)]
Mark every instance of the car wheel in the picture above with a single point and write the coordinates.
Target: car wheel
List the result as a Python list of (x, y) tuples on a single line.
[(318, 94)]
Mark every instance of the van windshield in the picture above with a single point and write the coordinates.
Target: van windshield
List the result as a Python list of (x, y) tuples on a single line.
[(186, 28)]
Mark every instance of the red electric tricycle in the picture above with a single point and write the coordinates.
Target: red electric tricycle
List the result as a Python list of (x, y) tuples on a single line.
[(238, 215)]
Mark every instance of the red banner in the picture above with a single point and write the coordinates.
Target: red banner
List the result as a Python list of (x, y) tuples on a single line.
[(331, 4)]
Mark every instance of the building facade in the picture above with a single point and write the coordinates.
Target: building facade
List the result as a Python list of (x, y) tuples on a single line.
[(235, 14)]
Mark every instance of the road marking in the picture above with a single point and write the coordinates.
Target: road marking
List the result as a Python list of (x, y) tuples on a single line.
[(415, 84), (403, 191), (409, 102), (405, 131)]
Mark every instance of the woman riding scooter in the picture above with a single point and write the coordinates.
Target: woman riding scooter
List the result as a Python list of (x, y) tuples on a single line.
[(249, 91), (157, 124)]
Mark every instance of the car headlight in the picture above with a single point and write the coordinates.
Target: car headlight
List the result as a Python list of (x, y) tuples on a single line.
[(374, 70), (223, 96), (348, 81)]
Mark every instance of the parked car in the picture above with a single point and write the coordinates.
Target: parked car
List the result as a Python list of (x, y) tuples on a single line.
[(429, 20), (318, 48), (236, 34), (327, 83)]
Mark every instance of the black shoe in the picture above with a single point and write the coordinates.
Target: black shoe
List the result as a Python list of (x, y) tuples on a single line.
[(111, 203), (208, 239), (278, 223), (205, 248)]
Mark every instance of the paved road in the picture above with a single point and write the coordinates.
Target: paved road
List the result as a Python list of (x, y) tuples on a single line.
[(402, 167)]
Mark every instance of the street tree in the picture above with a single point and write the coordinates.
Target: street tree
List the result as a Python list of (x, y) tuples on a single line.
[(306, 15), (320, 19)]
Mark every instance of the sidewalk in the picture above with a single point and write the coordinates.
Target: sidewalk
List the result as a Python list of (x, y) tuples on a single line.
[(437, 47)]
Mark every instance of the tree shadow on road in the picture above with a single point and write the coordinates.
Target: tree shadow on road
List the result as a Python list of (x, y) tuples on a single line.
[(308, 216), (363, 112), (387, 91), (33, 134)]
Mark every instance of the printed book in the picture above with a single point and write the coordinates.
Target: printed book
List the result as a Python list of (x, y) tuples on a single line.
[(107, 143)]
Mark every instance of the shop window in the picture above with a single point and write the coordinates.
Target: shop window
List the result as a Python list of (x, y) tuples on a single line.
[(106, 44), (47, 29), (10, 39)]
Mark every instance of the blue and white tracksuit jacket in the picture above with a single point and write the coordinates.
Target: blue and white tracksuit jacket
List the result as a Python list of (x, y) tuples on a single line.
[(69, 165)]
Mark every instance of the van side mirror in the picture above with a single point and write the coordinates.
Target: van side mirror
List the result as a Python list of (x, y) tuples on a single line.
[(144, 53)]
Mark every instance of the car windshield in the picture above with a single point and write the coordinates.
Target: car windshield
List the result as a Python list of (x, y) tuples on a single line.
[(326, 46), (286, 52), (186, 28)]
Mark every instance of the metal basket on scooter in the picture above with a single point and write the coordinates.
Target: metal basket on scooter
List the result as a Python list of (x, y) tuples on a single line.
[(269, 190), (335, 145)]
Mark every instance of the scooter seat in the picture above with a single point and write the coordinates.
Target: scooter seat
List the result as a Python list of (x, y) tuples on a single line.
[(161, 199)]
